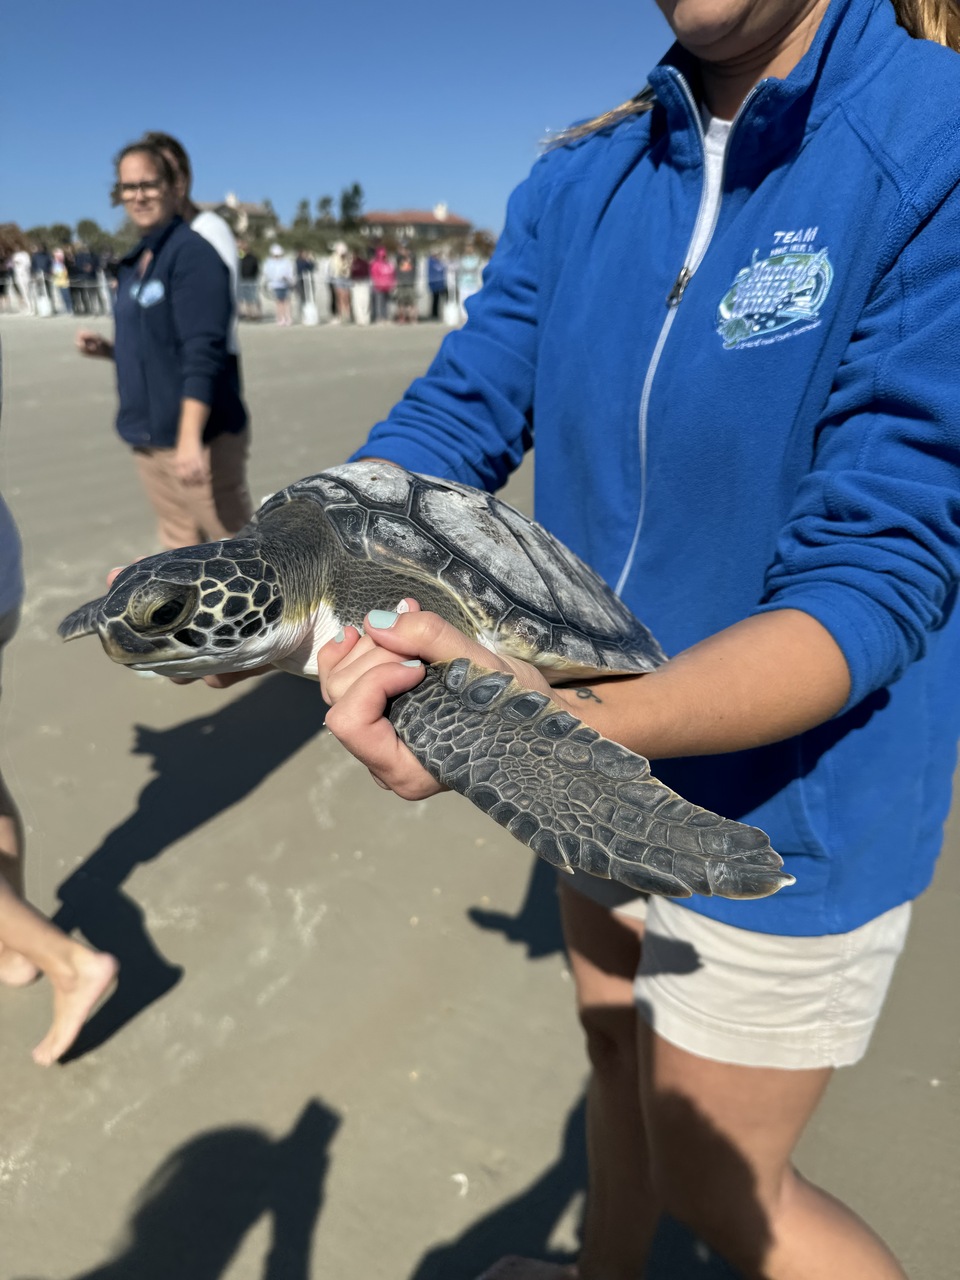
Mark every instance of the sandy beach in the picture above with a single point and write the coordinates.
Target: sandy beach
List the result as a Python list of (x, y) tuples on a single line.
[(343, 1042)]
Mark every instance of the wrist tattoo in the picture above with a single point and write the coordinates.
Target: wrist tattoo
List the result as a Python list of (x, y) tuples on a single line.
[(587, 693)]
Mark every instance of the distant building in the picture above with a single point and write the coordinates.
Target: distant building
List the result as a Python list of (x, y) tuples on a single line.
[(436, 224), (258, 221)]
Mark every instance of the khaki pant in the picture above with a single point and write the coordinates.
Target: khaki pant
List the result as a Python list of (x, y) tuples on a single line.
[(188, 514)]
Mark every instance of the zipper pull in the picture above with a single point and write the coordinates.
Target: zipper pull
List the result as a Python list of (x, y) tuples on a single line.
[(679, 285)]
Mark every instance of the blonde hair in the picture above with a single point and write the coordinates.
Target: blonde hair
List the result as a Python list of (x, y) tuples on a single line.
[(936, 20)]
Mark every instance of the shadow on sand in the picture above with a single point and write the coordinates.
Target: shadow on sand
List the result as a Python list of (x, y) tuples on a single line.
[(203, 767), (536, 926), (192, 1216), (523, 1225), (526, 1224)]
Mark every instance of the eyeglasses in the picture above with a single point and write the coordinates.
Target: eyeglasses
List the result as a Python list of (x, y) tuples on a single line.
[(130, 190)]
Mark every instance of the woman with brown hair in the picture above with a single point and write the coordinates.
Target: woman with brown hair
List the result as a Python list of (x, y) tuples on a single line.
[(726, 313), (180, 407)]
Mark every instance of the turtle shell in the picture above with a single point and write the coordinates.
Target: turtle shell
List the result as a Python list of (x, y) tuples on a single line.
[(528, 595)]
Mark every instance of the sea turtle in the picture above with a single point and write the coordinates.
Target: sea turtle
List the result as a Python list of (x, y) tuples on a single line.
[(323, 552)]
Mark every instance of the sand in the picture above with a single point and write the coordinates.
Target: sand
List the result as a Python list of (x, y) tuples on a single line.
[(343, 1044)]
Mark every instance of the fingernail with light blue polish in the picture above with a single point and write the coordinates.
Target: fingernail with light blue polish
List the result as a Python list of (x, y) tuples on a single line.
[(411, 662), (339, 637), (381, 619)]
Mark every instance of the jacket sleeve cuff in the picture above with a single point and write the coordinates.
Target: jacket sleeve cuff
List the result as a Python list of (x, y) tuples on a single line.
[(197, 387), (870, 640)]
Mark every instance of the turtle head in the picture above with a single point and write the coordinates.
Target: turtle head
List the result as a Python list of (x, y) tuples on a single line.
[(191, 612)]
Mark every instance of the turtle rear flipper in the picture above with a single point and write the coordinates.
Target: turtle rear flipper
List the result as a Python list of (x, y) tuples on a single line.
[(576, 798)]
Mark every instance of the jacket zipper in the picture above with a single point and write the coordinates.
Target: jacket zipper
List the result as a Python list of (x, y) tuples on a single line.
[(673, 300)]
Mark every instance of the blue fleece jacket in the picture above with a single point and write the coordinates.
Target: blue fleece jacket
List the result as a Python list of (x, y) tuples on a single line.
[(787, 434), (172, 327)]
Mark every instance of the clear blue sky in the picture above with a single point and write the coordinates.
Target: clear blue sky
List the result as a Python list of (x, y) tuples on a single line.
[(419, 102)]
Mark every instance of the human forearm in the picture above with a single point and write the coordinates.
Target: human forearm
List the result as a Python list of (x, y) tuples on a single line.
[(191, 459), (764, 679), (193, 419)]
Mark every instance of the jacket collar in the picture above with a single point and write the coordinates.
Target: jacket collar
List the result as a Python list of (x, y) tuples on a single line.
[(153, 240), (853, 42)]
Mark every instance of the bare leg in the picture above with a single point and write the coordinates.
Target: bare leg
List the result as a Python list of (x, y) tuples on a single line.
[(622, 1209), (721, 1138), (15, 969), (78, 975), (29, 943)]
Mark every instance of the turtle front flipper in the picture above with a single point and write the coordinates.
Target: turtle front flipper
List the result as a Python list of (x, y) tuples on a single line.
[(576, 798), (83, 621)]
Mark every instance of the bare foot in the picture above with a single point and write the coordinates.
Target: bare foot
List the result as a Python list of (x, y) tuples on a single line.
[(73, 999), (514, 1268), (16, 970)]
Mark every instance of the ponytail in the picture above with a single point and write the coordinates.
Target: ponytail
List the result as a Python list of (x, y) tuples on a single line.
[(636, 106), (936, 20)]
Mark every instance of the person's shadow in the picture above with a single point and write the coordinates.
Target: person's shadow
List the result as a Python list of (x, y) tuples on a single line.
[(193, 1214), (525, 1225), (536, 925), (203, 767)]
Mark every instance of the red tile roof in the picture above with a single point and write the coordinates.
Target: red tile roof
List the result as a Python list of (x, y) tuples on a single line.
[(414, 216)]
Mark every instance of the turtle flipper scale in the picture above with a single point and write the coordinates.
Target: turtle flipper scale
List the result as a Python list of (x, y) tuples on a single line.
[(576, 798)]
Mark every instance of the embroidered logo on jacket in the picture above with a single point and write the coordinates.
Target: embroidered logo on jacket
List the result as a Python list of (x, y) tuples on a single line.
[(787, 288), (149, 294)]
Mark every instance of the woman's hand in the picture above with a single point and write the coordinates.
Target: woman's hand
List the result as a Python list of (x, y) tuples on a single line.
[(90, 343), (191, 462), (360, 674)]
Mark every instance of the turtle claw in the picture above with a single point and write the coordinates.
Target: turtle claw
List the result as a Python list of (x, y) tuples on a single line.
[(83, 621), (577, 799), (729, 881)]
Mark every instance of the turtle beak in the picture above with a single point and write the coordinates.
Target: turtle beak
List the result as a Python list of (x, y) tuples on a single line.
[(83, 621)]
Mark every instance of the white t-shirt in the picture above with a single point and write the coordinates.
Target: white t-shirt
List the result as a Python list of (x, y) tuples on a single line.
[(279, 271), (716, 132), (216, 231)]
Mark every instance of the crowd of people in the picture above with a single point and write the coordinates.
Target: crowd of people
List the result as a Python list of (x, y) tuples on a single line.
[(360, 286), (72, 279)]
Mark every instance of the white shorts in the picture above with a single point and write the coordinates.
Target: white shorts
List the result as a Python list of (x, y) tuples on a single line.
[(757, 999)]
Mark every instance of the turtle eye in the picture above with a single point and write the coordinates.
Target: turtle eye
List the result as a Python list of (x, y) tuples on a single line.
[(166, 613)]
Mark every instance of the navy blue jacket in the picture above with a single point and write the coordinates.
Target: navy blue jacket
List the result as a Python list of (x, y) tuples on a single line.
[(171, 339), (782, 433)]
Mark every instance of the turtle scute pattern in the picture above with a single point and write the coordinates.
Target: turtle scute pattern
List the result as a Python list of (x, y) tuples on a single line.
[(239, 595), (532, 595), (577, 799)]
